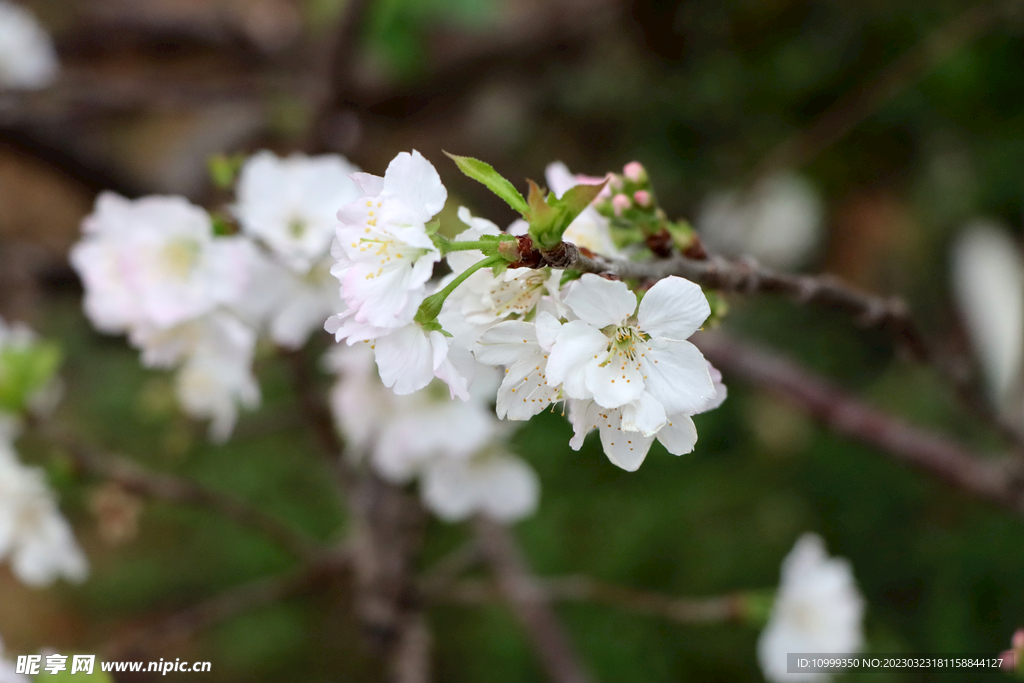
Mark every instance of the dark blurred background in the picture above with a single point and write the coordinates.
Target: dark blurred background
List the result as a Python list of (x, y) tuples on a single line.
[(906, 117)]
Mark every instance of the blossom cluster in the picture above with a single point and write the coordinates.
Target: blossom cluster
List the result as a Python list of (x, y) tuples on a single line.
[(619, 364), (34, 537), (309, 239)]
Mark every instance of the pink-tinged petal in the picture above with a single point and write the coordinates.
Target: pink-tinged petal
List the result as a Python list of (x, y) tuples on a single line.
[(674, 308), (370, 185), (601, 302), (624, 449), (677, 375), (614, 383), (506, 343), (679, 436), (415, 183), (576, 345), (405, 359), (645, 415)]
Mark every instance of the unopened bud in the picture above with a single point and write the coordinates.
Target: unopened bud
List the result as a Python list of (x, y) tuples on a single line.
[(614, 181), (620, 203), (1018, 639), (642, 198), (634, 170)]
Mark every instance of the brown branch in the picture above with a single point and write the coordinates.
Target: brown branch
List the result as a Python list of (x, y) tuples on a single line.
[(999, 481), (585, 589), (185, 624), (747, 276), (890, 314), (135, 479), (387, 533), (856, 106), (529, 603)]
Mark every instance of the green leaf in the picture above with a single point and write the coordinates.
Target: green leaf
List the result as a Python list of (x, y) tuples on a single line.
[(579, 197), (484, 173), (223, 169), (24, 370)]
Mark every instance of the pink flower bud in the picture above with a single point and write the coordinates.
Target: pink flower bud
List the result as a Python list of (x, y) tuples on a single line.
[(620, 203), (642, 198), (1018, 639), (1008, 662), (634, 170), (615, 181)]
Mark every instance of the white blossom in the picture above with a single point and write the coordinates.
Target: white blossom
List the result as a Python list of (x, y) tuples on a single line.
[(291, 204), (8, 670), (448, 446), (988, 285), (34, 536), (524, 349), (817, 609), (384, 254), (777, 222), (27, 57), (498, 485), (617, 354), (155, 262)]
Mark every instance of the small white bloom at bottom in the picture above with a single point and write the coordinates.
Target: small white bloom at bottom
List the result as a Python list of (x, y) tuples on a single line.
[(500, 486), (33, 534), (817, 609)]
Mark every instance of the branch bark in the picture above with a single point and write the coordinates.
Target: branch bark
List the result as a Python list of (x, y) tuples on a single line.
[(586, 589), (138, 480), (529, 602), (998, 480)]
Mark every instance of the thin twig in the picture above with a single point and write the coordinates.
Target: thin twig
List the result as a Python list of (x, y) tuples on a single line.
[(586, 589), (136, 479), (186, 623), (890, 314), (529, 602), (997, 480)]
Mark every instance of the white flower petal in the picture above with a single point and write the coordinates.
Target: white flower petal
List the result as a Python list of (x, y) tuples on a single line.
[(645, 415), (601, 302), (506, 343), (414, 181), (673, 308), (405, 359), (576, 345), (679, 435), (615, 382), (677, 375)]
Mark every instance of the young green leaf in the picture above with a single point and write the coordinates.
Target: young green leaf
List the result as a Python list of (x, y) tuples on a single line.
[(484, 173)]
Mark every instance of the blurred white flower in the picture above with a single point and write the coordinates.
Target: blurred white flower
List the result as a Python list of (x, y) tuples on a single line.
[(214, 355), (500, 486), (27, 57), (778, 221), (384, 255), (155, 261), (8, 670), (291, 204), (33, 535), (988, 286), (817, 609), (449, 446)]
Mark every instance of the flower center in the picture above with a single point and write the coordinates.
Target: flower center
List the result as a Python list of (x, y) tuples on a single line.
[(518, 295), (624, 341), (180, 257), (296, 228)]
